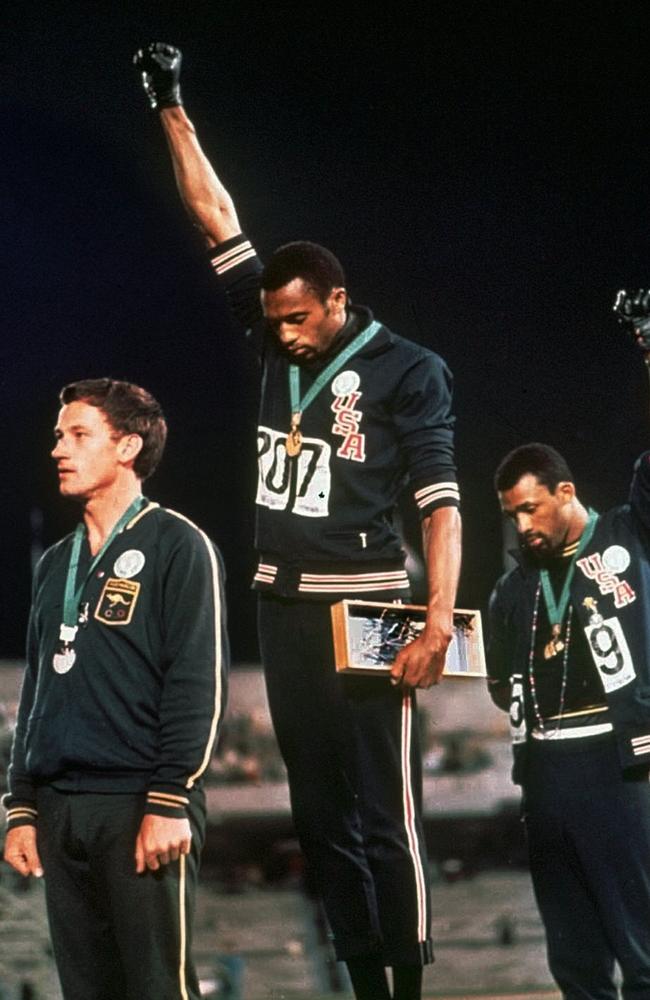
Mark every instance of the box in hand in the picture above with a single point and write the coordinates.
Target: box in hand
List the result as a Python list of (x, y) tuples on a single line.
[(369, 634)]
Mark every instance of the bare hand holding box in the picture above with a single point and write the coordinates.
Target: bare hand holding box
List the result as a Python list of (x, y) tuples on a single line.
[(369, 634)]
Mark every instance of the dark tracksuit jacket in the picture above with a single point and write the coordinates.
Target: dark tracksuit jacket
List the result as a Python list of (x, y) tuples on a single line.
[(140, 708), (610, 595), (324, 522)]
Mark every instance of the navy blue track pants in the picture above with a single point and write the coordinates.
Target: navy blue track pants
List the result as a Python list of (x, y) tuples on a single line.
[(588, 829), (116, 935), (352, 753)]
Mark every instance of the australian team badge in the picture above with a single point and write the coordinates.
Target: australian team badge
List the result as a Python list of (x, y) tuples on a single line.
[(117, 602)]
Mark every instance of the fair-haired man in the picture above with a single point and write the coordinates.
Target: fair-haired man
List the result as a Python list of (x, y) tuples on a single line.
[(349, 412), (122, 695), (569, 657)]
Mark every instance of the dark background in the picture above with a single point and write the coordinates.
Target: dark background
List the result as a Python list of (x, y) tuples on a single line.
[(481, 169)]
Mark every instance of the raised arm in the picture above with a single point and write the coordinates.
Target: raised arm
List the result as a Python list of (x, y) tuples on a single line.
[(633, 312), (206, 200)]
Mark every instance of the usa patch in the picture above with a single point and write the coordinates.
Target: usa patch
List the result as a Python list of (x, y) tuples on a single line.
[(600, 569), (117, 601)]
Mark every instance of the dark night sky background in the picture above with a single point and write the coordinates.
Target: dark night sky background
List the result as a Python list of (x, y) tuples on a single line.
[(482, 170)]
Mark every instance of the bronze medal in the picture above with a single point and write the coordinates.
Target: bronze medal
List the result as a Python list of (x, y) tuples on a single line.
[(555, 644)]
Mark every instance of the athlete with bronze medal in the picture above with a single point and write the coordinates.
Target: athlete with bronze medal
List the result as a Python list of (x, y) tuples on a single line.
[(583, 764)]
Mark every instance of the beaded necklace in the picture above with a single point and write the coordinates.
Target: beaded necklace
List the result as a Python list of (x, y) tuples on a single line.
[(531, 668)]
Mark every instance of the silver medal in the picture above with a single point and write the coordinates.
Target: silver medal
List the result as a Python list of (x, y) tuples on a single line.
[(64, 660)]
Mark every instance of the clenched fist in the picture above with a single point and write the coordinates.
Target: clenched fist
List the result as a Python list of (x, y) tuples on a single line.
[(161, 71), (633, 311)]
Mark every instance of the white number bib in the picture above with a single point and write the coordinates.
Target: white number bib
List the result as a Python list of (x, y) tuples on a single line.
[(611, 653), (301, 485), (517, 715)]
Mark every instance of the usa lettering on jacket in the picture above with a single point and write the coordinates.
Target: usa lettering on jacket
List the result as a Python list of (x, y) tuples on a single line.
[(347, 422), (594, 568)]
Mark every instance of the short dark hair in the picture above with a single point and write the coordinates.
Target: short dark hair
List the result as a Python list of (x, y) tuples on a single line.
[(539, 460), (129, 409), (317, 266)]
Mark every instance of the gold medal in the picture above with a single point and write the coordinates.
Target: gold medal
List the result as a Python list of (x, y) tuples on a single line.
[(293, 444), (555, 645)]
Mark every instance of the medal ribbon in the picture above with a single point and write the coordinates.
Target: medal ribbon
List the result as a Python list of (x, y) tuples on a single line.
[(299, 405), (557, 611), (72, 595)]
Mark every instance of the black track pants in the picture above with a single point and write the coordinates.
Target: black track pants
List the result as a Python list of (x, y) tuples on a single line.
[(352, 753), (588, 831), (116, 935)]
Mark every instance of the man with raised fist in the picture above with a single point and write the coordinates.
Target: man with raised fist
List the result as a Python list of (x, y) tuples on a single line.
[(349, 412)]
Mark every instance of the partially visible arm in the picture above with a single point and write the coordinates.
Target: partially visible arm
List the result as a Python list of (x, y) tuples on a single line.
[(20, 849), (420, 664), (633, 312), (499, 654), (499, 692), (424, 424), (205, 198), (192, 700)]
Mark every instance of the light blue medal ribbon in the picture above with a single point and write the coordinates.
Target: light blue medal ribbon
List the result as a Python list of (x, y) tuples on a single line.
[(298, 405), (557, 610), (72, 594)]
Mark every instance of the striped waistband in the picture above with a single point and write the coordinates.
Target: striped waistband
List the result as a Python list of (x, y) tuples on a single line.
[(335, 580), (352, 583), (572, 732), (273, 576)]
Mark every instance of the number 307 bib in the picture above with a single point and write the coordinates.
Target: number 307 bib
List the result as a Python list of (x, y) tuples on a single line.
[(300, 484), (611, 654)]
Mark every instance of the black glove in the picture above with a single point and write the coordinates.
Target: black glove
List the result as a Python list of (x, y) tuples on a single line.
[(633, 311), (161, 72)]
